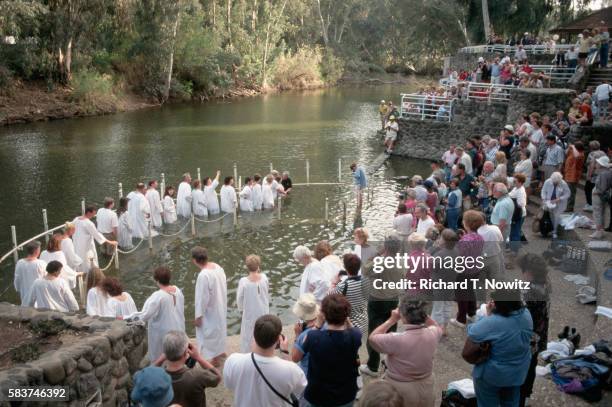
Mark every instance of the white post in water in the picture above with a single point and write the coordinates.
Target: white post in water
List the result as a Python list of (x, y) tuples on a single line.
[(81, 284), (120, 190), (82, 206), (339, 169), (150, 235), (235, 216), (326, 209), (14, 238), (163, 184), (239, 183), (271, 167), (45, 225), (193, 231), (198, 172), (117, 257), (279, 206), (307, 172), (235, 171)]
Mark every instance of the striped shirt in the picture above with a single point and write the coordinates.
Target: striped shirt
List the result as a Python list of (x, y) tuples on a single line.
[(554, 155), (352, 289)]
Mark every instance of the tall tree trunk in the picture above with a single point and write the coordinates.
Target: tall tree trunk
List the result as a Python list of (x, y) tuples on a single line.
[(170, 67), (271, 22), (229, 21), (68, 61), (485, 19), (214, 13), (323, 26), (254, 16)]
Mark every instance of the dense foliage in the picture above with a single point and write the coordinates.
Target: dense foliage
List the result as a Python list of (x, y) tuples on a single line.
[(206, 48)]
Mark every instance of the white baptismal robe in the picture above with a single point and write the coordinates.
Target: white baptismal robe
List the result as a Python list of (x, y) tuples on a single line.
[(125, 231), (84, 246), (246, 199), (26, 272), (140, 212), (155, 206), (212, 202), (68, 272), (199, 203), (73, 259), (253, 299), (97, 303), (228, 198), (211, 305), (267, 196), (257, 195), (169, 210), (183, 200)]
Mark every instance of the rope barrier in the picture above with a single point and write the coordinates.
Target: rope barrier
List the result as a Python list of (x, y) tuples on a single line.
[(131, 250), (110, 262), (214, 220), (181, 230)]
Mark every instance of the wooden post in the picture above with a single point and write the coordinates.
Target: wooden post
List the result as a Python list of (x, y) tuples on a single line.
[(45, 225), (339, 169), (163, 184), (117, 257), (14, 238), (239, 183), (82, 206), (344, 209), (193, 229), (235, 171), (120, 190), (279, 206), (81, 286), (235, 216), (199, 174), (326, 209), (150, 235), (307, 172), (271, 167)]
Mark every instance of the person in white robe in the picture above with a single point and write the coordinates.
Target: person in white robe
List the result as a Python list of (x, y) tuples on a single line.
[(332, 264), (125, 226), (73, 259), (169, 206), (277, 187), (210, 191), (52, 292), (246, 196), (210, 306), (97, 300), (257, 193), (155, 204), (164, 311), (107, 223), (120, 304), (314, 278), (183, 197), (28, 270), (54, 252), (198, 199), (267, 193), (228, 195), (253, 300), (140, 212), (84, 236)]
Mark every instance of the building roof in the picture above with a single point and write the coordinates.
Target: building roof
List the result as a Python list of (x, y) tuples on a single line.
[(587, 22)]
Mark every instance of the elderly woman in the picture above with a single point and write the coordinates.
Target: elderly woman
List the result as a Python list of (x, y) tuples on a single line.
[(314, 278), (554, 195), (333, 356), (410, 372), (525, 166), (501, 165), (508, 329), (363, 249), (328, 260), (352, 289)]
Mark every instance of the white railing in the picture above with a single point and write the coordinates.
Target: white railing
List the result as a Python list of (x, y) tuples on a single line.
[(488, 92), (507, 49), (556, 73), (426, 107)]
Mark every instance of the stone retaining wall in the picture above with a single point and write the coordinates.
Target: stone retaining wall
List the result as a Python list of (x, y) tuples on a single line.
[(104, 360)]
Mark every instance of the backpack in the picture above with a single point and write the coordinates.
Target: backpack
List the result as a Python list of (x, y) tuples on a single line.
[(546, 225), (518, 211)]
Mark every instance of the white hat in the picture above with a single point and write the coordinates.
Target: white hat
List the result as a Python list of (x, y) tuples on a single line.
[(526, 33), (306, 307), (382, 101), (556, 37), (391, 117), (580, 35), (604, 161), (509, 127), (480, 59)]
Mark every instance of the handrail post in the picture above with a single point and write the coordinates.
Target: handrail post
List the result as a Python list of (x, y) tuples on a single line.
[(82, 206), (235, 171), (279, 206), (307, 171), (326, 209), (45, 225), (120, 185), (150, 235), (193, 228), (14, 238), (198, 172), (117, 257), (339, 169), (163, 184), (239, 183)]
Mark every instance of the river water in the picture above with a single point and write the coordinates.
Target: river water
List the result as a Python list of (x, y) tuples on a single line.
[(53, 165)]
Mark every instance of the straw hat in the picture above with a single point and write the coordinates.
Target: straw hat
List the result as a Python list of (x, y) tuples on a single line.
[(306, 307)]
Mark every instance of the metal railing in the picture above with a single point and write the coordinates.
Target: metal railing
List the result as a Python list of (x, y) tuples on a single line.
[(556, 73), (507, 49), (426, 107), (489, 92)]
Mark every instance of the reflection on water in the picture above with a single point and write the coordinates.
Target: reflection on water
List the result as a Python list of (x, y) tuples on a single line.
[(53, 165)]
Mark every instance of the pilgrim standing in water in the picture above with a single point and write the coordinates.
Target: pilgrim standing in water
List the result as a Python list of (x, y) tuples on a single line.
[(228, 195), (252, 299), (246, 196), (84, 235), (107, 223), (163, 311), (257, 193), (183, 197), (198, 199), (210, 306), (277, 187), (73, 259), (155, 205), (140, 212), (52, 292), (210, 191), (267, 192), (169, 206), (120, 304), (54, 252), (97, 300), (28, 270), (125, 227)]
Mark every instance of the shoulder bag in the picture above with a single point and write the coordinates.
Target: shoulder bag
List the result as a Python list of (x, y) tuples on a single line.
[(475, 353)]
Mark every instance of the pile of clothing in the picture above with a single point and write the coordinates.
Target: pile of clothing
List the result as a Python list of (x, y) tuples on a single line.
[(459, 393)]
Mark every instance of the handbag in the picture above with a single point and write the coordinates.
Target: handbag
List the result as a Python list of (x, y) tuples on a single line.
[(475, 353), (293, 401)]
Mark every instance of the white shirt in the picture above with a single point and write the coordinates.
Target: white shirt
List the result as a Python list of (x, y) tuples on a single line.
[(424, 225), (536, 136), (403, 224), (521, 198), (249, 389), (52, 294), (525, 167), (26, 272), (449, 158), (315, 281), (602, 92), (467, 161), (106, 220), (332, 266), (492, 237)]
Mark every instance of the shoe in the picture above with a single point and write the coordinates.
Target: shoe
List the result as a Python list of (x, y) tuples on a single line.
[(457, 323), (597, 235), (587, 208), (364, 369), (565, 333)]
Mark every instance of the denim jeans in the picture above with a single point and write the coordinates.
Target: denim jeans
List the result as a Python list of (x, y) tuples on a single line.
[(489, 395), (515, 235), (452, 217), (603, 55)]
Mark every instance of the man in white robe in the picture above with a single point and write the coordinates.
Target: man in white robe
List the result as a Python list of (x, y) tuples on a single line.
[(84, 236), (108, 223), (210, 307), (140, 212), (228, 195), (155, 204), (183, 197), (28, 270)]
